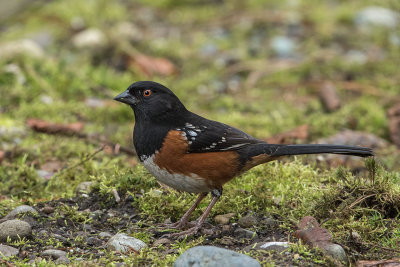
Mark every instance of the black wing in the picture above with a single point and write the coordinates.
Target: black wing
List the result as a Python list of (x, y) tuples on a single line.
[(207, 136)]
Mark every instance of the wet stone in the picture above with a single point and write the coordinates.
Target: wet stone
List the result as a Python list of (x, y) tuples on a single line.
[(247, 221), (244, 233), (7, 251), (14, 229), (20, 210), (54, 253), (124, 243), (214, 256)]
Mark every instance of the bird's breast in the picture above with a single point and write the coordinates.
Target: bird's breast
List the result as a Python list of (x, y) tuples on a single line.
[(191, 172)]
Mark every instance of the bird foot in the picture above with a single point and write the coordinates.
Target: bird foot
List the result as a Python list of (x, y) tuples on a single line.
[(182, 235), (178, 225)]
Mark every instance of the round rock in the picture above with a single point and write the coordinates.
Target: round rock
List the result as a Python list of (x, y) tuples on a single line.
[(247, 221), (7, 251), (123, 243), (336, 252), (84, 187), (14, 229), (214, 256), (223, 218), (20, 210), (54, 253)]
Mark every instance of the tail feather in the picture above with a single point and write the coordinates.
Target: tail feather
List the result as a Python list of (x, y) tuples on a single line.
[(285, 150)]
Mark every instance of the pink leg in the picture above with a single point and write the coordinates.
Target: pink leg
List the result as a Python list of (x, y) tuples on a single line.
[(200, 220), (183, 221)]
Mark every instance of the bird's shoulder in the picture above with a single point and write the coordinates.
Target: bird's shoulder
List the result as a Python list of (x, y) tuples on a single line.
[(204, 135)]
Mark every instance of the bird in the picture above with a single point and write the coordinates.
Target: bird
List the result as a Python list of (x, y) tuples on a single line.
[(193, 154)]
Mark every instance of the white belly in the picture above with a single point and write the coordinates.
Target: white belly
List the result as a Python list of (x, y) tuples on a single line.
[(178, 181)]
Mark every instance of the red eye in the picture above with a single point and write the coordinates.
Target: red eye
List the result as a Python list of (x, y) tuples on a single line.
[(147, 92)]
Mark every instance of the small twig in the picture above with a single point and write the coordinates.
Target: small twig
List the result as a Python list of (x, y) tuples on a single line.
[(6, 263), (381, 247), (84, 160), (116, 195)]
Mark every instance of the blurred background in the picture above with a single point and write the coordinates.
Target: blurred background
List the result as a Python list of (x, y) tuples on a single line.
[(286, 71)]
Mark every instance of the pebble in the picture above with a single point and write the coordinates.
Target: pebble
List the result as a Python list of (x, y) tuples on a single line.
[(20, 47), (129, 31), (123, 243), (54, 253), (223, 218), (161, 241), (20, 210), (48, 210), (7, 251), (267, 246), (105, 235), (90, 38), (214, 256), (377, 16), (269, 222), (14, 229), (62, 260), (93, 241), (84, 187), (247, 221), (278, 246), (244, 233), (335, 251), (282, 46)]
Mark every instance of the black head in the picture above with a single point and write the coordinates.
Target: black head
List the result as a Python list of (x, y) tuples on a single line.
[(151, 100)]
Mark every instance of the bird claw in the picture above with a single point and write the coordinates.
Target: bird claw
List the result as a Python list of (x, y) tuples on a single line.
[(184, 234)]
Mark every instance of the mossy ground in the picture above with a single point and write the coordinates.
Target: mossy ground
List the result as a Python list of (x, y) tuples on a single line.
[(280, 100)]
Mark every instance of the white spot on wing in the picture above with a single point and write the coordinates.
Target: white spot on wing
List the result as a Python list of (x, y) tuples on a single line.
[(192, 133)]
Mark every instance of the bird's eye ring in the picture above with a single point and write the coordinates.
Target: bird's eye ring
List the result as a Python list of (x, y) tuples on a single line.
[(147, 92)]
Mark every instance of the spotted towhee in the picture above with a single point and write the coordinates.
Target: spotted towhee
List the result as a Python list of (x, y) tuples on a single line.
[(190, 153)]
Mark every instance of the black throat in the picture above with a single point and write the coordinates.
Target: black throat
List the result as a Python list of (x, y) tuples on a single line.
[(149, 131)]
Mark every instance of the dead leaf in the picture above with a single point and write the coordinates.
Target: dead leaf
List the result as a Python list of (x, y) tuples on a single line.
[(55, 128), (381, 263), (290, 137), (312, 233), (2, 153), (151, 66), (329, 97), (394, 124)]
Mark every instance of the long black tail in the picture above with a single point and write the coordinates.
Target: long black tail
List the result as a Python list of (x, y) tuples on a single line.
[(285, 150)]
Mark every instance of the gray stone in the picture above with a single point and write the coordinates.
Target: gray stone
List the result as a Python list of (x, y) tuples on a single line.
[(128, 31), (377, 16), (123, 243), (335, 251), (223, 218), (90, 39), (62, 260), (244, 233), (213, 256), (283, 46), (54, 253), (278, 246), (247, 221), (14, 229), (20, 47), (105, 235), (20, 210), (84, 187), (7, 251)]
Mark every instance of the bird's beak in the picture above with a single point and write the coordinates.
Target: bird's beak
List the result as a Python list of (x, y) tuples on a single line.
[(126, 98)]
